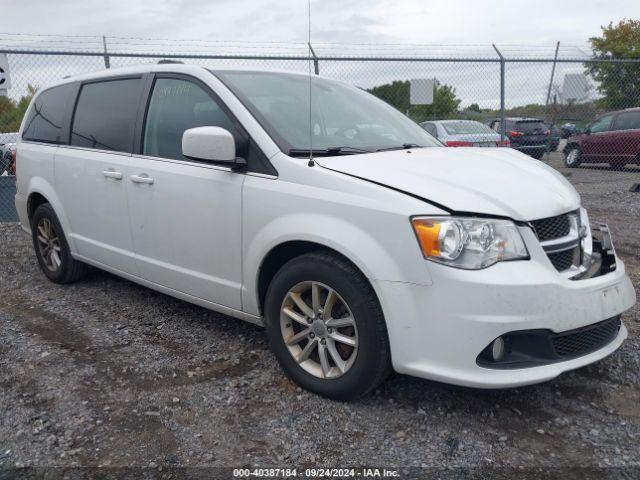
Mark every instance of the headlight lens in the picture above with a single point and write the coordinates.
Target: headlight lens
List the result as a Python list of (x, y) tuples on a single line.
[(469, 243)]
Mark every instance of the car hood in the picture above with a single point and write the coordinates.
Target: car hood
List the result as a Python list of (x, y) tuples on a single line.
[(493, 181)]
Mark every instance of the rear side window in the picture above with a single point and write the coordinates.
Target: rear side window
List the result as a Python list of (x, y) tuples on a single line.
[(175, 106), (531, 127), (45, 122), (627, 121), (105, 115)]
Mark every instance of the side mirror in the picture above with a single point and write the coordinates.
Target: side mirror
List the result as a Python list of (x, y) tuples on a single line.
[(211, 144)]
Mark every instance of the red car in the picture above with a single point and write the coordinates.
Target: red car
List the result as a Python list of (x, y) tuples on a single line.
[(613, 138)]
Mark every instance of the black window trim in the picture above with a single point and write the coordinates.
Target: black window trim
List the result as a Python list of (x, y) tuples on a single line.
[(81, 84), (246, 139)]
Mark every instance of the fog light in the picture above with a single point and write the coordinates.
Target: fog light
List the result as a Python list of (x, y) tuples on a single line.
[(497, 349)]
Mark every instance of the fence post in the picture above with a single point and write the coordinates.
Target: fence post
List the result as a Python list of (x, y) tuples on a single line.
[(553, 72), (502, 125), (316, 63), (546, 103), (107, 61)]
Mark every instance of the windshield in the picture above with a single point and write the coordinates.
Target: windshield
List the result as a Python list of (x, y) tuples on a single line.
[(341, 115), (466, 126)]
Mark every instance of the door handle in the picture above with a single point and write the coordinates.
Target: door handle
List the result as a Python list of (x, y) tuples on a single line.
[(112, 174), (142, 178)]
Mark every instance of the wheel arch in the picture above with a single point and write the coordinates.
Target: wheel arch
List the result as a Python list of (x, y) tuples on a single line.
[(569, 146), (40, 191), (375, 258), (34, 200), (281, 254)]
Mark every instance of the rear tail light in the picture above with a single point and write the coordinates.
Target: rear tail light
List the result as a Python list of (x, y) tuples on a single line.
[(12, 168), (504, 143), (458, 143), (514, 133)]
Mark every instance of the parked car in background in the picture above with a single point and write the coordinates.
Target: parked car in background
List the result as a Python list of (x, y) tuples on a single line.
[(361, 250), (11, 137), (7, 149), (568, 130), (7, 159), (613, 138), (463, 133), (527, 135)]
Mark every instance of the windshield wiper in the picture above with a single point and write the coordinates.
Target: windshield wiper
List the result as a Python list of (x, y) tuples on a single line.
[(327, 152), (404, 146)]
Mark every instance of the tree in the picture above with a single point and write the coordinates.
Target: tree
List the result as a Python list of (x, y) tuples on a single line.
[(618, 82), (474, 107), (11, 112), (445, 103)]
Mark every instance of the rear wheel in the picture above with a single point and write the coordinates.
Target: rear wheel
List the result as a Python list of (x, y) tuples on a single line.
[(572, 157), (326, 327), (52, 249)]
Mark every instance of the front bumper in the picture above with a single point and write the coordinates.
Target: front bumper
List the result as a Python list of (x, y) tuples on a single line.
[(438, 331)]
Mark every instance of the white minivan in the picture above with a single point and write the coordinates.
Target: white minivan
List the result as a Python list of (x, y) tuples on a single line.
[(311, 207)]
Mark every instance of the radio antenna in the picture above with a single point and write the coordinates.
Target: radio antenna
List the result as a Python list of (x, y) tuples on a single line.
[(311, 161)]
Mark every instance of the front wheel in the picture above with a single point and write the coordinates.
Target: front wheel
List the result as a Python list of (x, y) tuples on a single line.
[(326, 327), (573, 157)]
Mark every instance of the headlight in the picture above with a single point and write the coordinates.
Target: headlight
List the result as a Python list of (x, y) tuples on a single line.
[(469, 243)]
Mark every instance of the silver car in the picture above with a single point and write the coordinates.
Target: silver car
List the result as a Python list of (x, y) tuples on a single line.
[(463, 133)]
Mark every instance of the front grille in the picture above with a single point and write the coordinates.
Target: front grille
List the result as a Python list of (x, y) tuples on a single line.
[(561, 260), (552, 227), (584, 340)]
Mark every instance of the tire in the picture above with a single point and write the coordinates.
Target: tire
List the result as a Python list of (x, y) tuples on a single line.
[(537, 155), (55, 259), (572, 157), (365, 365)]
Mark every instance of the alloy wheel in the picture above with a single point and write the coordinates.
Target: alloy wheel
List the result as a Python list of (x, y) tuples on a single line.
[(572, 156), (319, 329), (49, 244)]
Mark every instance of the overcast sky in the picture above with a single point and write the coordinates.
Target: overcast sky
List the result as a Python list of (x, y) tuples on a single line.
[(371, 27), (351, 21)]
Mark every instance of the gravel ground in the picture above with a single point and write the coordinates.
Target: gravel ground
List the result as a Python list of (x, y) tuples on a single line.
[(107, 373)]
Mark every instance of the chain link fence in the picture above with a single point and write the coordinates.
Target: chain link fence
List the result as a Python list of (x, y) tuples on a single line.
[(559, 105)]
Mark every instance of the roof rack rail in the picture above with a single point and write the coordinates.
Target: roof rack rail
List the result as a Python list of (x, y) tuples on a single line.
[(168, 60)]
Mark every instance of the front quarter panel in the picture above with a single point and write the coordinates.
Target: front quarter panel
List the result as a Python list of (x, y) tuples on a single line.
[(367, 223)]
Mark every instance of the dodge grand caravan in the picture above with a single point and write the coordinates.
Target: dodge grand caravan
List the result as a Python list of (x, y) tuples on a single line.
[(358, 241)]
